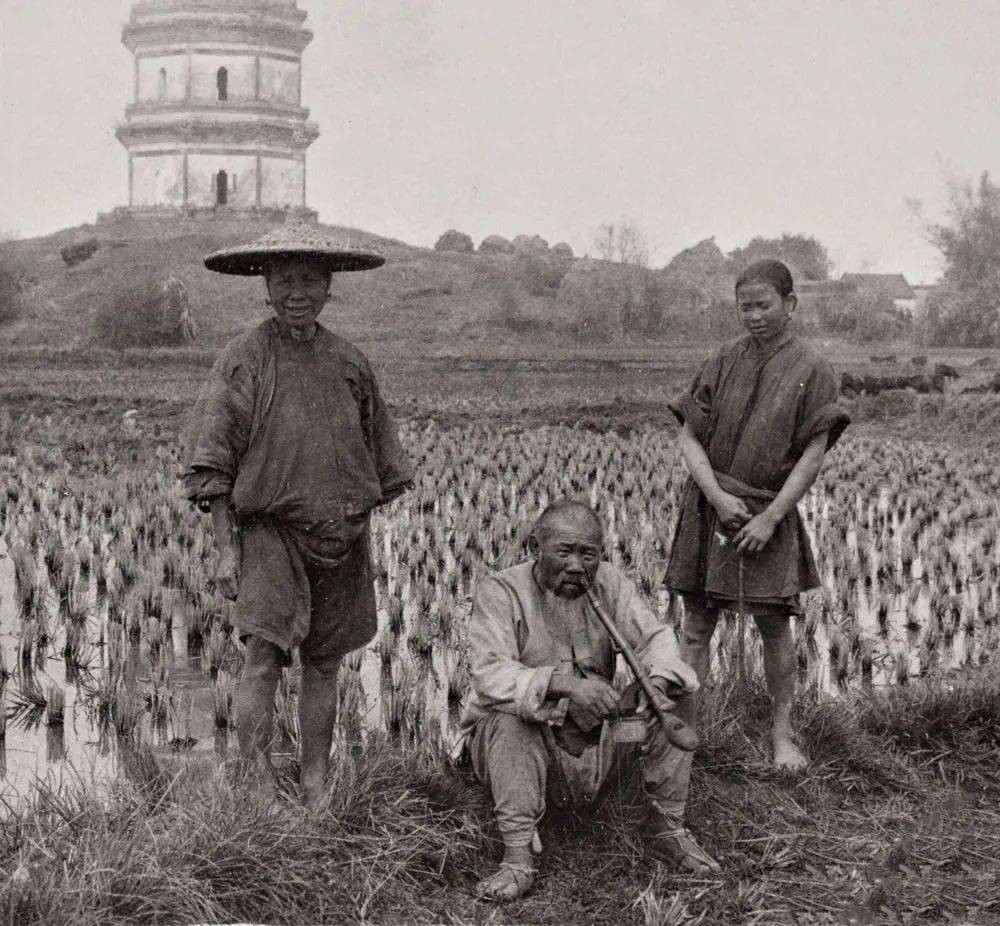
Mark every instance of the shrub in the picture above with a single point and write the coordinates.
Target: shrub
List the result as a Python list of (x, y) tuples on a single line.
[(508, 308), (535, 243), (74, 254), (540, 275), (453, 240), (148, 314), (11, 298), (862, 317), (495, 244)]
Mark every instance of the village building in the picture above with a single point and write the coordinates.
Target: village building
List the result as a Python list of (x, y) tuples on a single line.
[(216, 121), (889, 285)]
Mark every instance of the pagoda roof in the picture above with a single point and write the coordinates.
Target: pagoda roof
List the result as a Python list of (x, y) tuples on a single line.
[(188, 128), (246, 22), (287, 9)]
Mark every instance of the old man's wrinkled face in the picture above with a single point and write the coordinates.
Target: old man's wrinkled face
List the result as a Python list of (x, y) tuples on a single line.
[(567, 553), (299, 288)]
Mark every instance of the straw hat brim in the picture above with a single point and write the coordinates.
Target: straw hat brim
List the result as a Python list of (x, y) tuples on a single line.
[(253, 260)]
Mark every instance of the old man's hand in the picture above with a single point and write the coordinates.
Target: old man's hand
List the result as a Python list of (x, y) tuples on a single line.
[(595, 696), (227, 578)]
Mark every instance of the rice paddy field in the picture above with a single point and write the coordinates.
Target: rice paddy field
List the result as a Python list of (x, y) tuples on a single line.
[(119, 665)]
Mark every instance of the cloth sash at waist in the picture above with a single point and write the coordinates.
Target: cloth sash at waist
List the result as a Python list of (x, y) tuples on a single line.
[(741, 490), (327, 552)]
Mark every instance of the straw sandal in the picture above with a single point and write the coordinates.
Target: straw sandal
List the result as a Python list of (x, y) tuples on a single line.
[(679, 847), (510, 881)]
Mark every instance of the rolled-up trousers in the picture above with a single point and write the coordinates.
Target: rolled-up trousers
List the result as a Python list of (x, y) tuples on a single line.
[(511, 759)]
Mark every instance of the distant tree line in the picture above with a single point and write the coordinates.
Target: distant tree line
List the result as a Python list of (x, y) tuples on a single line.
[(965, 310)]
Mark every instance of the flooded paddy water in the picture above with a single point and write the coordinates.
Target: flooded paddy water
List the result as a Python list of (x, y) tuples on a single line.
[(111, 633)]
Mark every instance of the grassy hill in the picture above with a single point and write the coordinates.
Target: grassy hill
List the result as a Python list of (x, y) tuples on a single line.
[(419, 296), (422, 303)]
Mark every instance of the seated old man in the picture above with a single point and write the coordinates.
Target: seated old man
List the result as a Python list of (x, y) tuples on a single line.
[(542, 666)]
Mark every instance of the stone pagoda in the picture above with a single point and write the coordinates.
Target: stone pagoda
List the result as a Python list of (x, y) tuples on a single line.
[(216, 123)]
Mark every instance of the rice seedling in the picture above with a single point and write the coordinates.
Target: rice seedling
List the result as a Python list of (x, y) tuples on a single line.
[(222, 689), (27, 703), (159, 697), (897, 528), (55, 706)]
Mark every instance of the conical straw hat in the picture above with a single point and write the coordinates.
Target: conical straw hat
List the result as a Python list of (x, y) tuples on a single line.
[(295, 238)]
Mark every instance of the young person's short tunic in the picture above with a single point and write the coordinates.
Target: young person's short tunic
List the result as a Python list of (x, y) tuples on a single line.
[(754, 410), (296, 434)]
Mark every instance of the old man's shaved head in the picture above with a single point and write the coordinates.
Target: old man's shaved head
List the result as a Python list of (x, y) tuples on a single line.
[(568, 513)]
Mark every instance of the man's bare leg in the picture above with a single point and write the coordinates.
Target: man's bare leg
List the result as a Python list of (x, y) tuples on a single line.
[(255, 708), (779, 670), (695, 643), (317, 716)]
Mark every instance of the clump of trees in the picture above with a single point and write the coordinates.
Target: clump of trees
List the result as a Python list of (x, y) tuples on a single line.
[(862, 317), (805, 256), (965, 310), (453, 240)]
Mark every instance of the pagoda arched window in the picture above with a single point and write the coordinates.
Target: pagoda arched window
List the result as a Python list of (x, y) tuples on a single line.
[(222, 83), (221, 188)]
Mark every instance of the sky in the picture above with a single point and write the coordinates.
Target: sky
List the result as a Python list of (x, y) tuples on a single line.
[(687, 119)]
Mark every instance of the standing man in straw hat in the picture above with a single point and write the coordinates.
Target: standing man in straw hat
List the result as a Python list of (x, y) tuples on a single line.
[(291, 448)]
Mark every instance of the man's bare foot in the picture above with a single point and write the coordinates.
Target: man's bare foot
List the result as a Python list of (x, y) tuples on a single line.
[(787, 756), (313, 798), (265, 791)]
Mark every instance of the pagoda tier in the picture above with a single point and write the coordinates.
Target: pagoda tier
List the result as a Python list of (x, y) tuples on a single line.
[(216, 120)]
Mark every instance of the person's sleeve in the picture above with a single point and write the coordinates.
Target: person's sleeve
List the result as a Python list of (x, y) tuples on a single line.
[(820, 411), (501, 681), (218, 429), (694, 405), (653, 642), (393, 466)]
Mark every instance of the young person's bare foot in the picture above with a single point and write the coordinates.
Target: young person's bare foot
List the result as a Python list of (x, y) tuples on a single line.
[(787, 756)]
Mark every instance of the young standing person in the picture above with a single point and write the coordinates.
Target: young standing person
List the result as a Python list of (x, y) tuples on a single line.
[(757, 422)]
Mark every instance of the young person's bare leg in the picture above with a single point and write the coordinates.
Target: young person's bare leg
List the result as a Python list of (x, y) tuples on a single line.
[(317, 716), (255, 707), (696, 633), (779, 670)]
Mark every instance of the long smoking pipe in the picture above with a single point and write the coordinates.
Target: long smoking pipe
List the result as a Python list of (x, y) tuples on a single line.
[(675, 729)]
